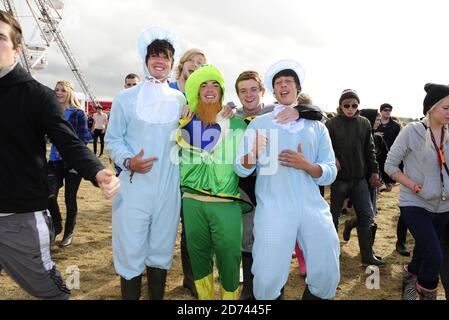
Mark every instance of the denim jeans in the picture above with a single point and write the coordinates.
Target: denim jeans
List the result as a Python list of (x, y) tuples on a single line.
[(359, 194), (373, 197), (427, 228)]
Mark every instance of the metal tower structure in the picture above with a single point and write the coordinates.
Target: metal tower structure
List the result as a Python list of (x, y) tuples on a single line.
[(46, 17)]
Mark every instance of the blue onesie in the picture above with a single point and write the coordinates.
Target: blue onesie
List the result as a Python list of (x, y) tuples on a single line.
[(290, 207)]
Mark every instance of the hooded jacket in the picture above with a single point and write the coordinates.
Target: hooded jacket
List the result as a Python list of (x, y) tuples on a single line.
[(421, 165), (353, 146), (30, 110)]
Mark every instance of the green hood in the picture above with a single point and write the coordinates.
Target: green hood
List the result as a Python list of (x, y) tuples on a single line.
[(196, 79)]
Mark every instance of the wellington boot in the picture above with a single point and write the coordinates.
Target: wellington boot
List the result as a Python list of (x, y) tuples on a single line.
[(247, 289), (156, 283), (349, 225), (130, 288), (366, 246)]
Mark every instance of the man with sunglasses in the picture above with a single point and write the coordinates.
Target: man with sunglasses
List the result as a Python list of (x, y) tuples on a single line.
[(355, 158)]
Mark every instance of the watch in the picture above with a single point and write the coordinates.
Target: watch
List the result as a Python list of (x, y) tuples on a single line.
[(127, 163)]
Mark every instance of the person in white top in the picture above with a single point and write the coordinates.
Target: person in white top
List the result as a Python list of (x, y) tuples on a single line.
[(99, 128)]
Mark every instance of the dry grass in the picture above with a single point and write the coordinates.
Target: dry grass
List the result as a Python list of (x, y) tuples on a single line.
[(91, 253)]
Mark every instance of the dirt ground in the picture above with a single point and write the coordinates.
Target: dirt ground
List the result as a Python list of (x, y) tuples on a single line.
[(91, 253)]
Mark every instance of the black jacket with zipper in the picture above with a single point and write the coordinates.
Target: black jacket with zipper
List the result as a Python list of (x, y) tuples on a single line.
[(29, 111), (353, 145)]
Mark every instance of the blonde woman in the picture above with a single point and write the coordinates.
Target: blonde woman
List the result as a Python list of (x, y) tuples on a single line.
[(60, 173), (191, 60), (424, 200)]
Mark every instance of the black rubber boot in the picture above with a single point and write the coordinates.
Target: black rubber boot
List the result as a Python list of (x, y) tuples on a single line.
[(307, 295), (131, 288), (247, 290), (373, 237), (401, 234), (188, 281), (366, 246), (402, 249), (156, 283), (349, 225)]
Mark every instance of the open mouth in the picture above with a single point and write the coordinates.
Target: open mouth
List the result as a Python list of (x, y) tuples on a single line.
[(159, 68)]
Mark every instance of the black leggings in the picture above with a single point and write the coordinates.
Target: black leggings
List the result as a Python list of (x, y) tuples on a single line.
[(429, 254), (444, 270), (72, 182)]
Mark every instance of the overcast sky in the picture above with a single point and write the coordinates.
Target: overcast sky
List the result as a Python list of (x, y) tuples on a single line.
[(386, 50)]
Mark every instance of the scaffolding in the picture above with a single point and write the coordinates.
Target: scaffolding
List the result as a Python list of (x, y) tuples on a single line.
[(46, 16)]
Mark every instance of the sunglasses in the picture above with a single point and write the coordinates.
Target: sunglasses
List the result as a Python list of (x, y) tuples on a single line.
[(387, 110), (353, 106)]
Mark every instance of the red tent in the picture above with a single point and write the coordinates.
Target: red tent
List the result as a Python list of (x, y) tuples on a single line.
[(89, 107)]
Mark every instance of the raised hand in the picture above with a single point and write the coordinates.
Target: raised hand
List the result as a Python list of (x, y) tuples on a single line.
[(294, 159), (140, 165), (259, 144), (227, 112), (186, 112)]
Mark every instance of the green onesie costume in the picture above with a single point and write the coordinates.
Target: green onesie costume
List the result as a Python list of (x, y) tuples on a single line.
[(211, 202)]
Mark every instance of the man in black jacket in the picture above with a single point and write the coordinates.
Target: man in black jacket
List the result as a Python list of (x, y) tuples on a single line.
[(29, 112), (355, 159)]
